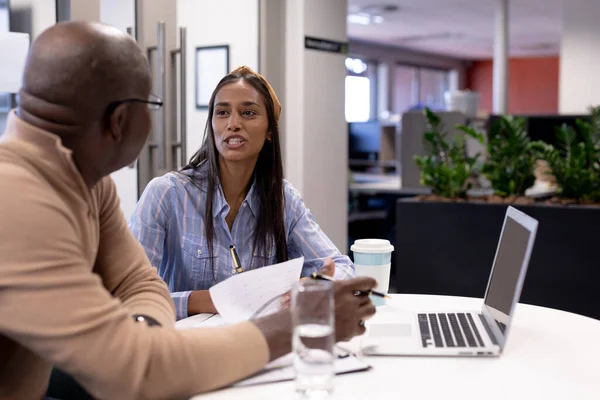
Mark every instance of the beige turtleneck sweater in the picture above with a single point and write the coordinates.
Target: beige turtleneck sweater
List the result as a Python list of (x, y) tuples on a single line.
[(71, 276)]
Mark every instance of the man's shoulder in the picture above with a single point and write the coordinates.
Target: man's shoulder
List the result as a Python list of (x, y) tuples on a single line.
[(25, 195), (19, 178)]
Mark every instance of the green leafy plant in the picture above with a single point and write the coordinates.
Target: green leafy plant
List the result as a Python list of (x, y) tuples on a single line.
[(447, 167), (575, 161), (511, 157)]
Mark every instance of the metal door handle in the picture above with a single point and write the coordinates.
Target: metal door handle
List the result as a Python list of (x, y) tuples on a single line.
[(130, 33), (183, 93), (182, 143), (161, 136)]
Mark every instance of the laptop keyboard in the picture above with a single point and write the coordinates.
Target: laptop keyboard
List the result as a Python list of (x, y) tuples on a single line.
[(449, 330)]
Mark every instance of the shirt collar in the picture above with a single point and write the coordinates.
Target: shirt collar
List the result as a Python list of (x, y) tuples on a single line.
[(219, 203), (252, 199), (44, 141)]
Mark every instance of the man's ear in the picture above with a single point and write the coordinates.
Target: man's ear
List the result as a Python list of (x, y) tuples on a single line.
[(116, 122)]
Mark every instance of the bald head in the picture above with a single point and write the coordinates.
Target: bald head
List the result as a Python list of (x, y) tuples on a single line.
[(75, 69)]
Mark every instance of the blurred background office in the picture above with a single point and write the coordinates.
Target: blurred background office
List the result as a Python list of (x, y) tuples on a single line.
[(354, 77)]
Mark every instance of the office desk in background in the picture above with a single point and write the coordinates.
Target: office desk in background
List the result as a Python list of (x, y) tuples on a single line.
[(549, 355), (380, 183), (372, 208)]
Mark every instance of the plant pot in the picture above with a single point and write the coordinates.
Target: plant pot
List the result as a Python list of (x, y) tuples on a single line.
[(449, 247)]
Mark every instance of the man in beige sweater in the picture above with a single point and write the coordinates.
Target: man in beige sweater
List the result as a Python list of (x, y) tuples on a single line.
[(76, 289)]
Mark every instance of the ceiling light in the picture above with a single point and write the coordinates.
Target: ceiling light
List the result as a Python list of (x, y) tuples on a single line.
[(362, 18), (356, 65), (369, 14), (359, 19)]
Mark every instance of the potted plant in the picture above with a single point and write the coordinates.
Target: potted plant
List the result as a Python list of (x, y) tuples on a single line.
[(447, 169), (575, 162), (448, 247), (511, 158)]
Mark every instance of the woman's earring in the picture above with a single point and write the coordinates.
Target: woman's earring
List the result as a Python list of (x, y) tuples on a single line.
[(269, 136)]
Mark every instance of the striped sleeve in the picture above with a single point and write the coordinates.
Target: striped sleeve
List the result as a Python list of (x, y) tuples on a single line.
[(149, 224), (307, 239)]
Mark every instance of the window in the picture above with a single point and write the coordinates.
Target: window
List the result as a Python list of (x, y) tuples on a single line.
[(406, 85), (358, 98), (417, 87), (359, 87), (432, 86)]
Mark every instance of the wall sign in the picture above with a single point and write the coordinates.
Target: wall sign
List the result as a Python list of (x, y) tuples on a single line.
[(329, 46)]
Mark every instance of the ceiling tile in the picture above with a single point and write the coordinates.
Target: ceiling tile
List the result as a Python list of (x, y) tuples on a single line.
[(464, 28)]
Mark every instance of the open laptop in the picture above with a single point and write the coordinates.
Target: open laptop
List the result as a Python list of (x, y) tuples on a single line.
[(460, 332)]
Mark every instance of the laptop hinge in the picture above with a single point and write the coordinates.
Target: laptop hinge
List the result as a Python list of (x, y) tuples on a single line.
[(488, 329)]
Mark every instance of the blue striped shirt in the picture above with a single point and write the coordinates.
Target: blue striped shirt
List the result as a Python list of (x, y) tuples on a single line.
[(169, 223)]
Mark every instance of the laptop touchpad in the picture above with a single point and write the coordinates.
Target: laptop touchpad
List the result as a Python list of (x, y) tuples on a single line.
[(389, 329)]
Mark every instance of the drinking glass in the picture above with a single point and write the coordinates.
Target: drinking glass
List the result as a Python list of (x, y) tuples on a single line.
[(313, 338)]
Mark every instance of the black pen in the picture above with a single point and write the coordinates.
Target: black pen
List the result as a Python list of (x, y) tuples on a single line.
[(370, 292), (236, 260)]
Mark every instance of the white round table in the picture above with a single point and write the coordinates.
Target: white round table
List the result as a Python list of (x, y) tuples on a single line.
[(549, 354)]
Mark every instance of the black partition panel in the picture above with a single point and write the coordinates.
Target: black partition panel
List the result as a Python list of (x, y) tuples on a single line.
[(448, 248), (544, 127)]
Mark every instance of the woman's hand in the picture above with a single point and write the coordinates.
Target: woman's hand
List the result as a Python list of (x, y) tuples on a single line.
[(327, 269), (200, 302)]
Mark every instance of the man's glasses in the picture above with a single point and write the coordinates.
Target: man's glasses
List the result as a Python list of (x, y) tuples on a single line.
[(154, 103)]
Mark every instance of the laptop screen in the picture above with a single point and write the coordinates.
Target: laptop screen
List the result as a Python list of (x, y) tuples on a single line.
[(512, 256)]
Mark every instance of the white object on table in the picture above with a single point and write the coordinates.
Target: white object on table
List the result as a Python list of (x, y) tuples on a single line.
[(549, 354), (13, 54), (279, 369), (282, 370), (200, 320), (239, 297)]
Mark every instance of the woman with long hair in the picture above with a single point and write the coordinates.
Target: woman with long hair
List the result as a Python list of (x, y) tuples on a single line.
[(232, 193)]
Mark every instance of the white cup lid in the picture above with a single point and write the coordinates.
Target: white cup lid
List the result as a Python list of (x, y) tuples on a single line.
[(372, 246)]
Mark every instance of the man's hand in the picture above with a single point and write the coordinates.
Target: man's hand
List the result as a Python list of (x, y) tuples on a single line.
[(351, 310)]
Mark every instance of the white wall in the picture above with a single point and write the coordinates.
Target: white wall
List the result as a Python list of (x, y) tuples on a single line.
[(293, 103), (231, 22), (325, 129), (315, 126), (579, 57)]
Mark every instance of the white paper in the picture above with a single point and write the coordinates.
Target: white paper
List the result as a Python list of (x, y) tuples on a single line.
[(206, 320), (239, 297), (13, 53), (193, 321), (281, 369)]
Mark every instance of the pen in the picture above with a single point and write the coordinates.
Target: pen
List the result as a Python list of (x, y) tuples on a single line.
[(370, 292), (236, 260)]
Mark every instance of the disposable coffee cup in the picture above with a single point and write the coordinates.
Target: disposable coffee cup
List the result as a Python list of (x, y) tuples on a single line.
[(373, 257)]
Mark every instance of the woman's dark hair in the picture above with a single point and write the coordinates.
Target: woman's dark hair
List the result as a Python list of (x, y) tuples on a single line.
[(268, 175)]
